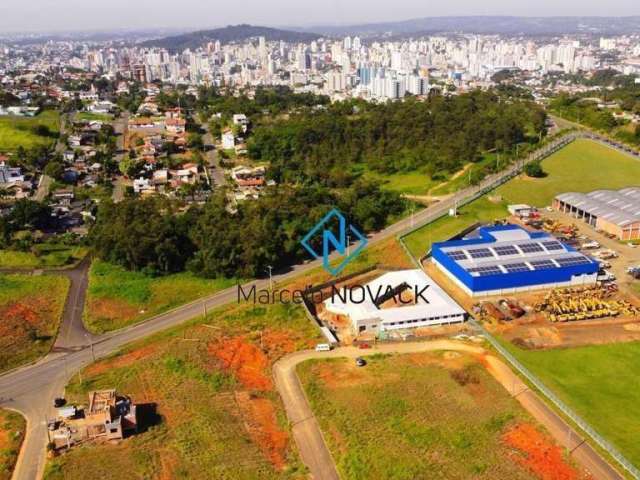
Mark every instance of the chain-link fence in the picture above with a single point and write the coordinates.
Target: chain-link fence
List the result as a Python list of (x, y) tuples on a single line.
[(487, 186)]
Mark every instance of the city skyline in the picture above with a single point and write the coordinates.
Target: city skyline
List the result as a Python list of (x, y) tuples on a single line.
[(74, 15)]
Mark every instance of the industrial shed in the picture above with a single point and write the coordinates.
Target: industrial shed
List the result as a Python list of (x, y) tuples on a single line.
[(390, 303), (613, 212), (508, 258)]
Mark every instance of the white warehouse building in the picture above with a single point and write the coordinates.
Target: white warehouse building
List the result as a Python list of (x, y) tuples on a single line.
[(396, 300)]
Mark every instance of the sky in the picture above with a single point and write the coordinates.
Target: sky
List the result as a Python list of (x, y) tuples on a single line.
[(61, 15)]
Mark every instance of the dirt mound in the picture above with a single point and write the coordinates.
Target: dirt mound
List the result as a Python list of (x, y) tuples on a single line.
[(247, 362), (537, 452), (261, 422)]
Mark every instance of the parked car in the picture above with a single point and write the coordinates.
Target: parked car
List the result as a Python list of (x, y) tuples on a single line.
[(360, 362), (323, 347)]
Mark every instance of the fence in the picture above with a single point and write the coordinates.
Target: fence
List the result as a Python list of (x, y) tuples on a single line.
[(584, 426), (492, 184)]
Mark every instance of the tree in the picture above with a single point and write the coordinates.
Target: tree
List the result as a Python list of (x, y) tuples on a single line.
[(54, 169), (534, 169)]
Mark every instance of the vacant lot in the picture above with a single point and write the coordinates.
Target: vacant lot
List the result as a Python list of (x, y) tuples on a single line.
[(20, 131), (12, 427), (601, 383), (30, 313), (219, 415), (425, 416), (582, 166), (117, 297), (42, 256)]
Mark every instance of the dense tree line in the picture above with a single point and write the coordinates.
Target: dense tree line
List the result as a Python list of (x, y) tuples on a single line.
[(438, 135), (214, 240)]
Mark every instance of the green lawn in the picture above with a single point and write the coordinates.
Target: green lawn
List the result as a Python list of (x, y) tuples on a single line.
[(582, 166), (30, 309), (117, 297), (482, 210), (19, 131), (413, 417), (462, 179), (43, 256), (100, 117), (12, 428), (414, 183), (600, 383)]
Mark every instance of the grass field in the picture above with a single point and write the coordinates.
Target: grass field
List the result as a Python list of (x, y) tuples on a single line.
[(482, 210), (44, 255), (219, 415), (419, 416), (100, 117), (30, 310), (12, 428), (582, 166), (414, 183), (19, 131), (600, 383), (117, 297)]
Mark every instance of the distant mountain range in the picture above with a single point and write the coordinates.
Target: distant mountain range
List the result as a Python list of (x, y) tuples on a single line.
[(232, 33), (489, 25)]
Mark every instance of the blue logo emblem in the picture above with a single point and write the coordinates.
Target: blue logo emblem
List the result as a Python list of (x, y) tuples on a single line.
[(340, 244)]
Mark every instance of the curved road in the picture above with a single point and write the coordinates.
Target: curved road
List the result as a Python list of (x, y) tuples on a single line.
[(32, 388), (316, 455)]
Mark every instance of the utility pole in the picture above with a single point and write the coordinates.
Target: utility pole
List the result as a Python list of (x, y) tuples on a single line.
[(270, 277), (93, 353)]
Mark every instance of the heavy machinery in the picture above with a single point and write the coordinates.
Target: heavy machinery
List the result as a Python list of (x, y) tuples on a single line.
[(573, 304)]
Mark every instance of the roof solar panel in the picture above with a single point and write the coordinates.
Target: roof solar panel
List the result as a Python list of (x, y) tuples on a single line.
[(553, 245), (506, 250), (572, 261), (542, 264), (457, 255), (484, 271), (517, 267), (530, 247), (480, 253)]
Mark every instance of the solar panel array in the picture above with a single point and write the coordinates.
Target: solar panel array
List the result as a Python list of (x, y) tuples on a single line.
[(480, 253), (485, 271), (517, 267), (530, 247), (457, 255), (506, 250), (572, 261), (551, 246), (542, 264)]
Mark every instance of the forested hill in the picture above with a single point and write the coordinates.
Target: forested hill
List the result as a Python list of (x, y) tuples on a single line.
[(231, 33)]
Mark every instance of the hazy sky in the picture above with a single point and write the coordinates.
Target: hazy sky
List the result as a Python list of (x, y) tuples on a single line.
[(48, 15)]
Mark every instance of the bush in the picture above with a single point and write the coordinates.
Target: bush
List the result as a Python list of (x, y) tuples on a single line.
[(535, 170)]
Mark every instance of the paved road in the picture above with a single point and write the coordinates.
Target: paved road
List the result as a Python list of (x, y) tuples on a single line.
[(32, 388), (316, 455), (120, 127), (213, 159), (45, 182)]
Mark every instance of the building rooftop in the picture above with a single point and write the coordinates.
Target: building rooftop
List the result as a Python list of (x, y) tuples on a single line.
[(510, 249), (621, 207), (437, 302)]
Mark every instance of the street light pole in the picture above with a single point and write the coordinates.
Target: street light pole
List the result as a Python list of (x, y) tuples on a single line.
[(93, 353), (270, 277)]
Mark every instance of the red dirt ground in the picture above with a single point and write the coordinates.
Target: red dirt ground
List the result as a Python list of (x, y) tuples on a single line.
[(123, 360), (537, 452), (112, 309), (260, 419), (247, 362)]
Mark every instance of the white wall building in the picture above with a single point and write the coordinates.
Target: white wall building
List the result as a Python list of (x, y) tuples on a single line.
[(371, 308)]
